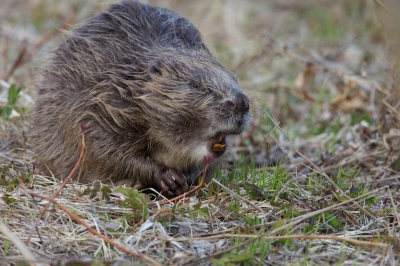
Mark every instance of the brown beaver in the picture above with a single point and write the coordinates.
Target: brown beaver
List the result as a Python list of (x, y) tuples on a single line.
[(154, 100)]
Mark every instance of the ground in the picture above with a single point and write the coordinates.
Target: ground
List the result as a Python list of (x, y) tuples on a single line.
[(314, 181)]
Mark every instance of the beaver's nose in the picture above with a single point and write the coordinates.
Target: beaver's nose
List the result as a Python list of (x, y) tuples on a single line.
[(239, 103)]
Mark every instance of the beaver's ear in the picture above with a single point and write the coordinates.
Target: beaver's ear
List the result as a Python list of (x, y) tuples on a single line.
[(155, 69)]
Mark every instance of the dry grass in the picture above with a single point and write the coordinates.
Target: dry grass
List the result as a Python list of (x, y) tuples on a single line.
[(318, 180)]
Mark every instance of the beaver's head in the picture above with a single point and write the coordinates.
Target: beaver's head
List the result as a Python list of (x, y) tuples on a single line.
[(194, 106)]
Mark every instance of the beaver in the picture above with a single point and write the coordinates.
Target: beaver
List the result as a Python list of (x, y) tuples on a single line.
[(154, 100)]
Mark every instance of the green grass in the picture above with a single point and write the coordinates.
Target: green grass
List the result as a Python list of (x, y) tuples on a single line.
[(13, 96)]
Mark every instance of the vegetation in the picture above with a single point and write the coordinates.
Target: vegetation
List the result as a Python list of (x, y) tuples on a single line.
[(313, 182)]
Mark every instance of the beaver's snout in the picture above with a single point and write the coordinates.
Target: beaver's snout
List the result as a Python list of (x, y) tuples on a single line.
[(238, 104)]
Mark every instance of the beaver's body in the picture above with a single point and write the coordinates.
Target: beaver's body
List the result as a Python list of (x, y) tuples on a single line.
[(153, 99)]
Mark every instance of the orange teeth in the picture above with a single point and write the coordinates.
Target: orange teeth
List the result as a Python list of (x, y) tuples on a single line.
[(217, 146)]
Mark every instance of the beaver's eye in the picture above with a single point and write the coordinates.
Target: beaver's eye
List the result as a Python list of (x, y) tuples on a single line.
[(194, 85)]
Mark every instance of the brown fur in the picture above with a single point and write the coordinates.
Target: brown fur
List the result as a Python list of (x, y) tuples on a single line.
[(129, 74)]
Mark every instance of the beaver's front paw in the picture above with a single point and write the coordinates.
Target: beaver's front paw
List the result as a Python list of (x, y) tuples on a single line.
[(173, 183)]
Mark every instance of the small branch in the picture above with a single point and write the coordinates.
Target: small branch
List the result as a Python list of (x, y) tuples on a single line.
[(93, 231), (75, 217), (18, 61), (395, 214), (381, 5), (24, 55), (64, 24), (389, 106)]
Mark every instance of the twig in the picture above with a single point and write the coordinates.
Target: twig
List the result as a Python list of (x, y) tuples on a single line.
[(75, 217), (390, 106), (24, 55), (64, 24), (93, 231), (71, 174), (395, 214), (381, 5), (18, 61)]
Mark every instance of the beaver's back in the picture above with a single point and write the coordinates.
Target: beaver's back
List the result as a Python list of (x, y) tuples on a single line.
[(142, 27)]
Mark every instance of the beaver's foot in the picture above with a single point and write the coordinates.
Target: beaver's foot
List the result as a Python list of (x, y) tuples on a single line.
[(173, 183)]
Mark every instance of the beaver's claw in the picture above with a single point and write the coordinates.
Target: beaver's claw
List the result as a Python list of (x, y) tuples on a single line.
[(173, 183)]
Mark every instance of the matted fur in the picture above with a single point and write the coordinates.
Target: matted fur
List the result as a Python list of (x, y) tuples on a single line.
[(128, 74)]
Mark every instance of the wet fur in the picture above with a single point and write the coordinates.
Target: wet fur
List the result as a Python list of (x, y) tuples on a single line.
[(127, 74)]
